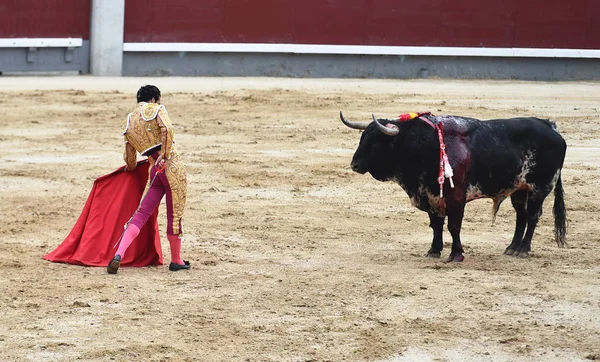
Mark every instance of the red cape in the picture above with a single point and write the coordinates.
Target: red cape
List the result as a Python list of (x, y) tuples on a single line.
[(112, 201)]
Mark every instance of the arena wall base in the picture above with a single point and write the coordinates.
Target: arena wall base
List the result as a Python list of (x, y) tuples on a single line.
[(45, 59), (358, 66)]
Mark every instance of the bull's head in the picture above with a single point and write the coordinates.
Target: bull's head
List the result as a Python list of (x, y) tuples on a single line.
[(375, 150)]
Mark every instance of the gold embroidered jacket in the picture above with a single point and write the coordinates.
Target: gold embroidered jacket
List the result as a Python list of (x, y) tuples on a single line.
[(147, 128)]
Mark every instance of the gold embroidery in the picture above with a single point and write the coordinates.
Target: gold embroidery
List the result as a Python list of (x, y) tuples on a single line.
[(150, 110), (143, 130)]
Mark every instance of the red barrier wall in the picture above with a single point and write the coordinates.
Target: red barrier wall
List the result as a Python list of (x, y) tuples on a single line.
[(472, 23), (45, 19)]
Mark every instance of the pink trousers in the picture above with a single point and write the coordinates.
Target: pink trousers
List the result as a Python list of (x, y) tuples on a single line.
[(158, 188)]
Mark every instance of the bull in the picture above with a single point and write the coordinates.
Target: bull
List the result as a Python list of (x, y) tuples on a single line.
[(520, 158)]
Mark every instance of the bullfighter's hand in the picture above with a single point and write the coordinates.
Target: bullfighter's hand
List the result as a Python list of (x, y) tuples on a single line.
[(160, 162)]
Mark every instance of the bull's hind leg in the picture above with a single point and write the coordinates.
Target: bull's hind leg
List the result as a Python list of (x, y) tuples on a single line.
[(534, 212), (437, 224), (518, 199)]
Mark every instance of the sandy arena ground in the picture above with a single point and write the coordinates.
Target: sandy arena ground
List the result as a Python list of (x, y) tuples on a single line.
[(295, 257)]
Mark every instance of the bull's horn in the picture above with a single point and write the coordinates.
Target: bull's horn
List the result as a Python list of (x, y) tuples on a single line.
[(355, 125), (386, 130)]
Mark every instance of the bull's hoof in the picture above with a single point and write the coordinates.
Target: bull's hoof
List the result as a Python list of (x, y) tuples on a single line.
[(509, 251), (455, 258), (523, 255), (433, 254)]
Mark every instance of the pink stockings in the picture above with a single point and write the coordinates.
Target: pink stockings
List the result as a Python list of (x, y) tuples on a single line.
[(175, 245), (128, 236), (132, 231)]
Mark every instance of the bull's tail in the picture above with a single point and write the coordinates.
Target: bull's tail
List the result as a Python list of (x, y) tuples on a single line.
[(560, 214)]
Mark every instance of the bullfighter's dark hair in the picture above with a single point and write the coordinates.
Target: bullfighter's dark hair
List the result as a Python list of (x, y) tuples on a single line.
[(147, 92)]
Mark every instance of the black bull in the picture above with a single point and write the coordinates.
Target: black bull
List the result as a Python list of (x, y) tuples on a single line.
[(520, 157)]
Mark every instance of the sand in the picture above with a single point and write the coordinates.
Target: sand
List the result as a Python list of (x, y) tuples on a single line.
[(294, 257)]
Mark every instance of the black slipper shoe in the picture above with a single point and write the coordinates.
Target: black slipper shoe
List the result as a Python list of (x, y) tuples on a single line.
[(114, 265), (176, 267)]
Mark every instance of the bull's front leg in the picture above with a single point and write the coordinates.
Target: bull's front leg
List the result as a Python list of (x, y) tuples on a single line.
[(455, 212), (437, 224)]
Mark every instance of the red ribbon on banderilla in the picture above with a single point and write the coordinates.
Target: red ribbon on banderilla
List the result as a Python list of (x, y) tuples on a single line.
[(445, 168)]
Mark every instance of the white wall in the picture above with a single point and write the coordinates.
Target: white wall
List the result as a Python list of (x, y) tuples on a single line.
[(106, 37)]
